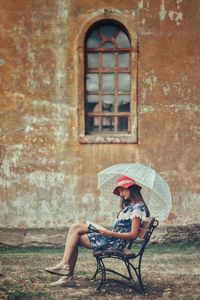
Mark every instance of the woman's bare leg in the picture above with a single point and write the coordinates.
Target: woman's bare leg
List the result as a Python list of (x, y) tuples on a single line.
[(83, 242), (77, 235), (72, 262)]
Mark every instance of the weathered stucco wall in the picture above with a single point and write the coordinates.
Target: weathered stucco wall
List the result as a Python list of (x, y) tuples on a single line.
[(48, 179)]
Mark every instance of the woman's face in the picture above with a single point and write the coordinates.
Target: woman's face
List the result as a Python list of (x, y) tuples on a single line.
[(124, 193)]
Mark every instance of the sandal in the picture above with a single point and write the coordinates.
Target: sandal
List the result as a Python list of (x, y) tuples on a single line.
[(67, 281), (60, 269)]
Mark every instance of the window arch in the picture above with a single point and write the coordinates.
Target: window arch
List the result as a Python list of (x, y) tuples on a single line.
[(109, 84)]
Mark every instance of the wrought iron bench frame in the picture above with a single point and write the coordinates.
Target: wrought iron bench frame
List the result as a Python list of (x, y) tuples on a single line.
[(131, 260)]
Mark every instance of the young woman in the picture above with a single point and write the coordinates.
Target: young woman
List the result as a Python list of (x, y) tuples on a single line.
[(133, 211)]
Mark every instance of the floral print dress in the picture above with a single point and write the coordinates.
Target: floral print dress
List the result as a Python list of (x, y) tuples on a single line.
[(122, 224)]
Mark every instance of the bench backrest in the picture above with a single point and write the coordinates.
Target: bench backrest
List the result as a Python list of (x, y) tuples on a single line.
[(146, 229)]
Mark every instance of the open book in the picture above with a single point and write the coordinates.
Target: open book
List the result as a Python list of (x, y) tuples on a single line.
[(94, 226)]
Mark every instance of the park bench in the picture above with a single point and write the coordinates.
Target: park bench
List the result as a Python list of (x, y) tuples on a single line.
[(132, 260)]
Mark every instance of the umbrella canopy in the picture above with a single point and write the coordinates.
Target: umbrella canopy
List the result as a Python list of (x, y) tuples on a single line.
[(155, 190)]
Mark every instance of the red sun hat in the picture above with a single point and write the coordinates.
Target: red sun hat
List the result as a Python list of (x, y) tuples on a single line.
[(124, 182)]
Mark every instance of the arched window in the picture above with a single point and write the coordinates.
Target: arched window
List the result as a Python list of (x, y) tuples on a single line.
[(109, 87)]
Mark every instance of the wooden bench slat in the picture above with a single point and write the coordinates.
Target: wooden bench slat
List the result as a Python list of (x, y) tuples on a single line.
[(145, 227)]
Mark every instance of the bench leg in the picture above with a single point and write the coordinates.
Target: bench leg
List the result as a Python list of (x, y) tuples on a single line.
[(138, 274), (100, 269), (130, 268)]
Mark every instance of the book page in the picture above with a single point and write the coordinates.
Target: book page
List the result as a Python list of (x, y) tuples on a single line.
[(96, 226)]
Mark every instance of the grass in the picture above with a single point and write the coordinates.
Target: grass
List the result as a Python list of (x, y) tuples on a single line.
[(169, 272)]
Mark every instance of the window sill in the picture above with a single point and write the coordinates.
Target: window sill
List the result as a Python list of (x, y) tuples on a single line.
[(108, 139)]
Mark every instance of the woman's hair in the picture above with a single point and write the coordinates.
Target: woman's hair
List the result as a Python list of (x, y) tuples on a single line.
[(135, 193)]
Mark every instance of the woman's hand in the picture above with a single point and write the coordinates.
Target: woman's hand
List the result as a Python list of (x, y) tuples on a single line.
[(105, 232)]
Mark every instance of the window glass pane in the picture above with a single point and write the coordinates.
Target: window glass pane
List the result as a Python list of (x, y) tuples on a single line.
[(93, 60), (108, 60), (108, 30), (122, 40), (93, 40), (108, 82), (107, 124), (123, 103), (92, 124), (92, 82), (92, 103), (124, 82), (108, 103), (124, 60), (123, 124), (108, 45)]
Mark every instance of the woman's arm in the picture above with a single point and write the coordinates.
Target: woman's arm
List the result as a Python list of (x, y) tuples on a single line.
[(131, 235)]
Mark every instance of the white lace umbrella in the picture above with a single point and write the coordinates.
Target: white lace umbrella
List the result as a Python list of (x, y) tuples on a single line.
[(155, 190)]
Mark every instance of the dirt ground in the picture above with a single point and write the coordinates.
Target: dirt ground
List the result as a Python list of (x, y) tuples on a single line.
[(169, 272)]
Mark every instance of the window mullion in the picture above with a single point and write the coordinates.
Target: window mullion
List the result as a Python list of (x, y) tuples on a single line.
[(100, 90), (116, 92)]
